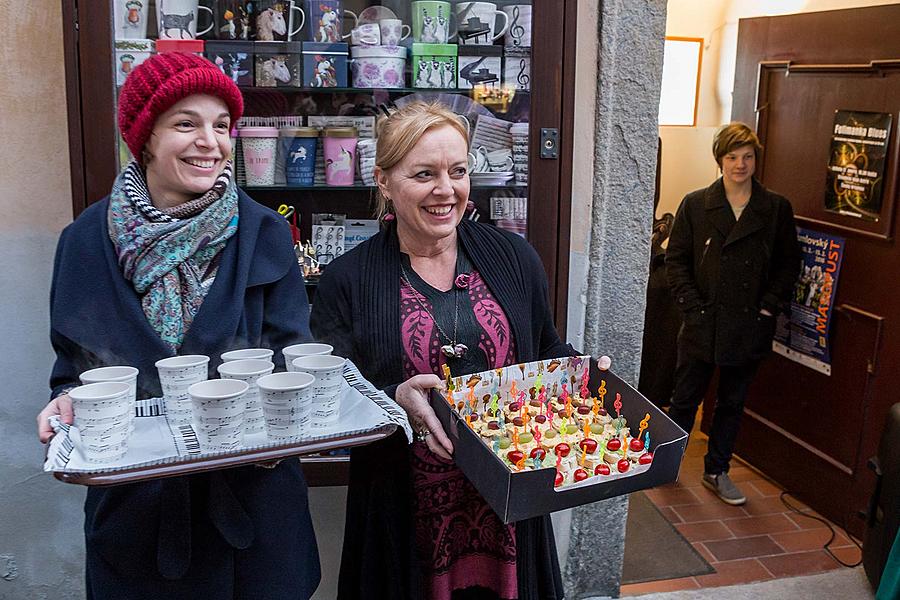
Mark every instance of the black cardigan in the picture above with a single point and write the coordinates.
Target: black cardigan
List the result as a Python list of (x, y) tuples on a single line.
[(357, 310)]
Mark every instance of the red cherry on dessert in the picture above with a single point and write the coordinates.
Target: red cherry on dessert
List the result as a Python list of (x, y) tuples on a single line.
[(602, 412), (473, 417), (540, 419), (588, 444), (601, 469), (562, 450), (515, 407), (515, 456), (614, 444), (646, 458), (623, 465), (636, 445), (559, 479), (538, 453), (493, 425), (579, 475), (536, 404), (583, 410), (518, 421)]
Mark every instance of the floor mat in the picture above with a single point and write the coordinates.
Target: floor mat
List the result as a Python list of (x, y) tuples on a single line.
[(653, 547)]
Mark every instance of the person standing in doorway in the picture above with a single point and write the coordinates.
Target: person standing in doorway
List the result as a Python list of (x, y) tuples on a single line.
[(731, 264)]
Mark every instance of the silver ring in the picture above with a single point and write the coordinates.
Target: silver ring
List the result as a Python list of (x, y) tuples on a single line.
[(422, 434)]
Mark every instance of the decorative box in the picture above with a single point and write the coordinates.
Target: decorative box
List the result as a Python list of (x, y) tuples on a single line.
[(479, 65), (325, 64), (517, 68), (434, 65), (186, 46), (278, 64), (235, 59), (378, 66), (129, 54)]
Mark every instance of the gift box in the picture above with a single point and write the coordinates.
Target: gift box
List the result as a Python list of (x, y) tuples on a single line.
[(520, 494), (235, 59), (129, 54), (325, 64), (479, 65), (517, 68), (434, 65), (278, 64)]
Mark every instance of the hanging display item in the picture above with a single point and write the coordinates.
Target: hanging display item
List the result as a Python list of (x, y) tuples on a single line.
[(855, 177)]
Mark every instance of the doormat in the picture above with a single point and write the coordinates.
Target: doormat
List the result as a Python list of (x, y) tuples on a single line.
[(654, 549)]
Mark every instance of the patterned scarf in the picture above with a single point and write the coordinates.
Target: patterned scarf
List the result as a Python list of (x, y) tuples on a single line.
[(170, 256)]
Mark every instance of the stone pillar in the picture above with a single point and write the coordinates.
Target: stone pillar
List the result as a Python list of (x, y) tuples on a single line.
[(631, 37)]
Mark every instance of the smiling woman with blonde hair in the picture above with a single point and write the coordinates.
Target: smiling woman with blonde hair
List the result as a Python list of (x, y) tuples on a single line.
[(178, 260), (433, 289)]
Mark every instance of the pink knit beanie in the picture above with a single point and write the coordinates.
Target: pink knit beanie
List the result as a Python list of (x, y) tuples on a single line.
[(155, 85)]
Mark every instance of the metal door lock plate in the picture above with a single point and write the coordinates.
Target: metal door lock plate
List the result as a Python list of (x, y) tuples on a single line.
[(549, 142)]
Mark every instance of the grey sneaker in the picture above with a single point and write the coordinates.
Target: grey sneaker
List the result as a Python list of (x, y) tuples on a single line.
[(724, 488)]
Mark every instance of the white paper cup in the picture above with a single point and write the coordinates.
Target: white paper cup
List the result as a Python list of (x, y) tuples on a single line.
[(326, 391), (298, 350), (176, 375), (248, 353), (103, 414), (223, 401), (124, 374), (286, 400), (249, 370)]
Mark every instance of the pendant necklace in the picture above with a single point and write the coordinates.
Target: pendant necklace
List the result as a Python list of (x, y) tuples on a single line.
[(451, 349)]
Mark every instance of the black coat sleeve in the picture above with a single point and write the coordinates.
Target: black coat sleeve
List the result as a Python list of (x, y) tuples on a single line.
[(331, 320), (785, 263), (64, 375), (680, 261)]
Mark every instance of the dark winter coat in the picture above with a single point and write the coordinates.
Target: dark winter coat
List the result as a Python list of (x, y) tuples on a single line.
[(357, 310), (722, 272), (238, 533)]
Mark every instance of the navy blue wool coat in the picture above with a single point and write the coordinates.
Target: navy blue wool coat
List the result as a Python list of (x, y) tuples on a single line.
[(239, 533)]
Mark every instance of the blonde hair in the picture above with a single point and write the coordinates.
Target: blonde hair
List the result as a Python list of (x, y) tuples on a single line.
[(730, 137), (401, 131)]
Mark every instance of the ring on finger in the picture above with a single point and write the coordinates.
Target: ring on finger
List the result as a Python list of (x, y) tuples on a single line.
[(422, 434)]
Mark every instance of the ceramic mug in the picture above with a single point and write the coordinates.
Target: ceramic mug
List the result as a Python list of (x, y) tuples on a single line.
[(130, 19), (475, 23), (495, 161), (273, 20), (518, 34), (326, 20), (177, 19), (392, 31), (431, 22), (367, 34)]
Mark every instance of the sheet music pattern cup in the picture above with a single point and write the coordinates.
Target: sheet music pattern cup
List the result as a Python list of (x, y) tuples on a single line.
[(249, 371), (218, 406), (326, 391), (287, 404), (176, 375), (104, 415)]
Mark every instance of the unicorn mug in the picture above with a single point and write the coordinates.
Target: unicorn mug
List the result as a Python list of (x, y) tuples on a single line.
[(326, 21), (273, 20)]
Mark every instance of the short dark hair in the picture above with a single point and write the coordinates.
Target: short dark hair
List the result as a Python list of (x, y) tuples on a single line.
[(730, 137)]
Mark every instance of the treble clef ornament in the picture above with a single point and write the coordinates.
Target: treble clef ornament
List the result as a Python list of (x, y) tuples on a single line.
[(515, 30)]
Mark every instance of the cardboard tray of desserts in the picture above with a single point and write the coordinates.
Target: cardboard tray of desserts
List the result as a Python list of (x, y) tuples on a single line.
[(158, 449), (543, 436)]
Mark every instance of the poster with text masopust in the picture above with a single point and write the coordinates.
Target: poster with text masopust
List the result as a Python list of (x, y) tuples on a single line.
[(854, 183), (805, 338)]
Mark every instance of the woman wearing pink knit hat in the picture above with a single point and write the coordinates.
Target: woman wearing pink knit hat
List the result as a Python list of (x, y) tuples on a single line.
[(177, 260)]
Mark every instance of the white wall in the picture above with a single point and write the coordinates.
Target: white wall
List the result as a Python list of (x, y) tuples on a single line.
[(687, 160)]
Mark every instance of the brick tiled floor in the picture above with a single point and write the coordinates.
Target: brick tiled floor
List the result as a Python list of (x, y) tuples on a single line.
[(758, 541)]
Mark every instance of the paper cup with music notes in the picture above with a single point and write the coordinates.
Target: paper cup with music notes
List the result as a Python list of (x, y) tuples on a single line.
[(218, 406), (123, 373), (298, 350), (103, 413), (326, 391), (249, 370), (176, 375), (246, 353), (287, 403)]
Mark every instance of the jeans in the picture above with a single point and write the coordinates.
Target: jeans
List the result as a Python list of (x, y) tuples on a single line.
[(692, 379)]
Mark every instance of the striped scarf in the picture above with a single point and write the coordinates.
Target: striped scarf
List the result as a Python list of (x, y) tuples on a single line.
[(170, 256)]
